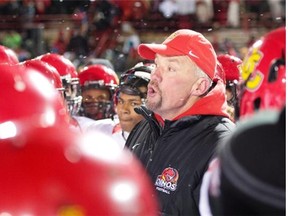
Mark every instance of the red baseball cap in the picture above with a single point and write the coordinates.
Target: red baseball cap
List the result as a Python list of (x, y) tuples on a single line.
[(184, 42)]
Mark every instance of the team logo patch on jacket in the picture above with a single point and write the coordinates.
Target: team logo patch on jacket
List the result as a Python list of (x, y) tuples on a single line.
[(167, 181)]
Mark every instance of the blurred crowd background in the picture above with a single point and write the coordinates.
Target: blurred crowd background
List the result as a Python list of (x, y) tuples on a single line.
[(112, 29)]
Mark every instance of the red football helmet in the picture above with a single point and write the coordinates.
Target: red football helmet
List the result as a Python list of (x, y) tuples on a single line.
[(8, 55), (69, 77), (264, 74), (28, 94), (98, 77), (231, 66), (53, 171), (47, 70)]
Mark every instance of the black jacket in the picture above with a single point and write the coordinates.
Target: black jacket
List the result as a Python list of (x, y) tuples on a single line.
[(177, 155)]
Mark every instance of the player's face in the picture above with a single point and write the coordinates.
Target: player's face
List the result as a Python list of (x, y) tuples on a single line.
[(125, 109), (94, 101)]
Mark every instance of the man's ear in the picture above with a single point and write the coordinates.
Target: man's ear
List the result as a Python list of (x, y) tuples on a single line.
[(201, 86)]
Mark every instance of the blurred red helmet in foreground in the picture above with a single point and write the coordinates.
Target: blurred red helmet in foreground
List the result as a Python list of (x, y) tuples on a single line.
[(53, 171), (47, 70), (27, 94), (8, 55)]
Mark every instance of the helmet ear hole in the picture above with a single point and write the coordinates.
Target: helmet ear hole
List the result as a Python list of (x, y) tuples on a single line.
[(273, 72), (257, 103)]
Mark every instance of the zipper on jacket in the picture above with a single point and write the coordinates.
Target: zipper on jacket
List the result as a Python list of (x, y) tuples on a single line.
[(154, 125)]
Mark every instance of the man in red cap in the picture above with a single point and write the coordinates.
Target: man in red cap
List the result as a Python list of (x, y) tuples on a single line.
[(185, 119)]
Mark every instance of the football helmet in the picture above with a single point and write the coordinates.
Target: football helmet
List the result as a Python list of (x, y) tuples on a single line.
[(48, 71), (102, 78), (8, 55), (69, 77), (28, 94), (135, 80), (231, 66), (264, 74), (57, 172)]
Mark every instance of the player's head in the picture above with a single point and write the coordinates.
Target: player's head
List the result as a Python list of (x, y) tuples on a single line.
[(98, 84), (69, 77), (231, 66), (131, 93)]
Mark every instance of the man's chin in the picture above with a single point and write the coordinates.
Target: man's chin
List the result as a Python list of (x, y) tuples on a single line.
[(94, 115), (126, 126), (91, 111), (152, 105)]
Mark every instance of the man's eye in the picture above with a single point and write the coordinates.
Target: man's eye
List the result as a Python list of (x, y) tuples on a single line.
[(87, 98), (101, 98), (170, 69), (134, 104)]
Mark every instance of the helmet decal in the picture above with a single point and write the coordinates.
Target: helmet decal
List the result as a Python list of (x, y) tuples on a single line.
[(263, 84), (252, 77)]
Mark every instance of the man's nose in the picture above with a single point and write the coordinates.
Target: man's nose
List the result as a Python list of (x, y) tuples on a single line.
[(156, 75)]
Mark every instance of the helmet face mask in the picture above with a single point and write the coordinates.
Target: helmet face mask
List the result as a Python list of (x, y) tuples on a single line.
[(96, 103), (72, 95), (97, 107), (98, 110), (232, 86)]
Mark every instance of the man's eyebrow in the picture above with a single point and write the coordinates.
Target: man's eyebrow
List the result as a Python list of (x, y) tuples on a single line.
[(131, 99), (172, 59)]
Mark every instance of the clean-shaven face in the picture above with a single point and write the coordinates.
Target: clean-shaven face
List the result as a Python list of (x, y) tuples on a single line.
[(125, 109), (169, 90)]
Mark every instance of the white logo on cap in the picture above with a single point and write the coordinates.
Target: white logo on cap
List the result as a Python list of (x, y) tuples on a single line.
[(192, 54)]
